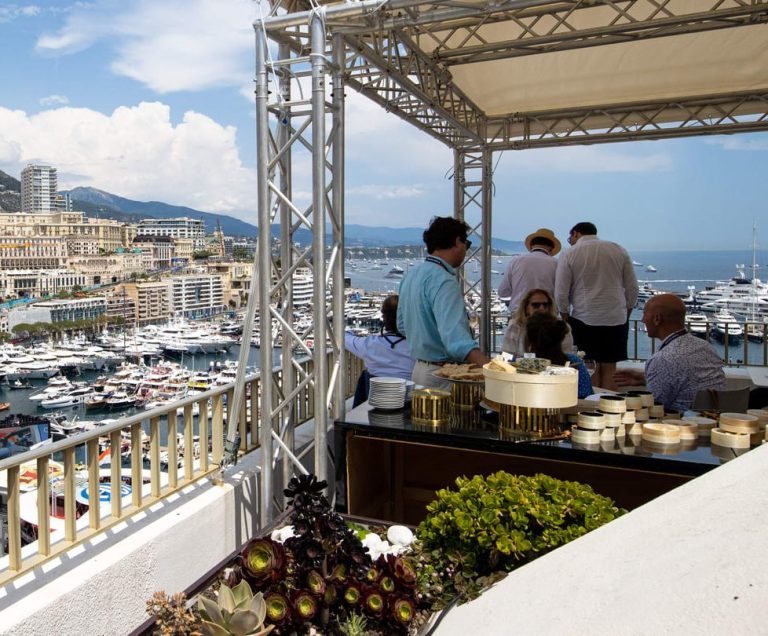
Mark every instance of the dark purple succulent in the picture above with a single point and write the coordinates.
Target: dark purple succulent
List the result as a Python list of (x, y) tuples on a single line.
[(304, 485), (316, 583), (401, 611), (338, 573), (263, 561), (352, 593), (331, 595), (304, 605), (387, 584), (372, 575), (374, 603), (278, 608)]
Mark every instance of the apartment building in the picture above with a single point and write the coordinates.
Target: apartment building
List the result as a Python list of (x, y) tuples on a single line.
[(178, 228), (39, 185), (151, 299), (58, 311), (197, 295), (33, 252), (120, 304)]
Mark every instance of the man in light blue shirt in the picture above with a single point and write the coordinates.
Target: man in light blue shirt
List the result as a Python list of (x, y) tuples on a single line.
[(431, 313)]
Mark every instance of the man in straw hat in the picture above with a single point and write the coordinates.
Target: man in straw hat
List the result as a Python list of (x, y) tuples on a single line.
[(534, 270)]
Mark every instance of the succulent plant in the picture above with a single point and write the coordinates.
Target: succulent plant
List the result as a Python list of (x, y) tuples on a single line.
[(263, 561), (238, 612)]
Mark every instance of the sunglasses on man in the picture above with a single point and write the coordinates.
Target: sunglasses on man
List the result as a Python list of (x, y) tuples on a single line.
[(540, 305)]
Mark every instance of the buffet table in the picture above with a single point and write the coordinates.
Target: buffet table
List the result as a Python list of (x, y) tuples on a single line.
[(389, 467)]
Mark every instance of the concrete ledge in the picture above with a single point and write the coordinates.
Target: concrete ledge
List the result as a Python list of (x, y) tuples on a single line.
[(102, 587), (690, 562)]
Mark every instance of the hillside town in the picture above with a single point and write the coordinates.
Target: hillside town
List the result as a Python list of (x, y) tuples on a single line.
[(57, 264)]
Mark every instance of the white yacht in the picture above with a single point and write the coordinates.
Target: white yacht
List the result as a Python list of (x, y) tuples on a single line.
[(650, 268), (697, 324), (74, 397), (727, 328)]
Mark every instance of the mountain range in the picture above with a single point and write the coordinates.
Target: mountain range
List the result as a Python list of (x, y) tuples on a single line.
[(101, 204)]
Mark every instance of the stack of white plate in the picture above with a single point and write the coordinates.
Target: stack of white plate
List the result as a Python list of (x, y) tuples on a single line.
[(387, 393), (409, 384)]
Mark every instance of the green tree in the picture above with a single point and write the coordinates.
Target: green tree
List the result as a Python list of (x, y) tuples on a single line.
[(241, 254)]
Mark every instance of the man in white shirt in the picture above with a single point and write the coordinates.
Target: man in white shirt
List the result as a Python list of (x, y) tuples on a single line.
[(595, 291), (535, 270)]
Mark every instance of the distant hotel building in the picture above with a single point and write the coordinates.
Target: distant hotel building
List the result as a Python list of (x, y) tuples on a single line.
[(180, 228), (197, 295), (38, 189), (58, 311)]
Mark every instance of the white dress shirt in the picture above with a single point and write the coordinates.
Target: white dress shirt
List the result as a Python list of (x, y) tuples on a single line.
[(596, 282), (534, 270)]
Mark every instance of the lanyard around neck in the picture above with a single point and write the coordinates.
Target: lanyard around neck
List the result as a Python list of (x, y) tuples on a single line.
[(437, 261), (673, 337)]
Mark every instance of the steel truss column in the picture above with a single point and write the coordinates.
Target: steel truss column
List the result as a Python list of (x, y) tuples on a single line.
[(317, 59), (472, 189), (288, 373), (263, 274)]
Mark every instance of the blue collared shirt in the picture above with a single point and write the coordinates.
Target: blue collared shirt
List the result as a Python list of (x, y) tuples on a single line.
[(431, 313), (384, 354)]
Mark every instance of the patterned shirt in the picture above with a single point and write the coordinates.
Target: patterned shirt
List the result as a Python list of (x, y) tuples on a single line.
[(683, 366), (432, 315), (535, 270), (596, 282), (385, 354)]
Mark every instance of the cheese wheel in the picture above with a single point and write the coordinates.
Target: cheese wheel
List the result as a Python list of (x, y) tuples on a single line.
[(612, 404), (612, 420), (730, 440), (585, 435), (591, 420), (661, 433), (738, 423), (703, 424)]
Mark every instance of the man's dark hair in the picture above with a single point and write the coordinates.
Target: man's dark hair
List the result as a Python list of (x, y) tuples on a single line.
[(389, 313), (541, 240), (443, 232), (585, 227)]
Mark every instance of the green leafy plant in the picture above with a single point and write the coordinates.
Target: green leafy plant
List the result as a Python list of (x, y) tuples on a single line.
[(238, 612), (490, 525)]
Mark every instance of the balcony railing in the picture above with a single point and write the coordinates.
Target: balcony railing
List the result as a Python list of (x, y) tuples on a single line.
[(149, 446), (750, 348)]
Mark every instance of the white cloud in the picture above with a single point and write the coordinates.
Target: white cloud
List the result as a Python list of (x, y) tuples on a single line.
[(135, 152), (387, 192), (741, 142), (53, 100), (10, 12), (168, 46), (587, 159)]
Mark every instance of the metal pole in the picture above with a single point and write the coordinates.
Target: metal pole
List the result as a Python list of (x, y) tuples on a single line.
[(286, 254), (265, 270), (486, 252), (317, 33), (337, 198)]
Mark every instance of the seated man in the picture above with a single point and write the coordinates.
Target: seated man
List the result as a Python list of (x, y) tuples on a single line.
[(683, 365)]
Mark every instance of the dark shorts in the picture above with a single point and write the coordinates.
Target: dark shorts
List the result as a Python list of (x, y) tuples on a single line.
[(600, 343)]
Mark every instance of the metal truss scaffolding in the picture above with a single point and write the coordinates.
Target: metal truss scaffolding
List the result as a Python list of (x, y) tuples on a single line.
[(481, 76)]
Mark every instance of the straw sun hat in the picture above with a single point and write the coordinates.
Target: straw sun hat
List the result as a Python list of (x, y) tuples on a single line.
[(546, 233)]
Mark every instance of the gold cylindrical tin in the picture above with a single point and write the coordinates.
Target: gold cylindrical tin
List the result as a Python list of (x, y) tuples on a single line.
[(612, 420), (656, 411), (628, 417), (529, 420), (659, 433), (729, 440), (704, 425), (612, 404), (646, 397), (466, 393), (739, 423), (430, 406)]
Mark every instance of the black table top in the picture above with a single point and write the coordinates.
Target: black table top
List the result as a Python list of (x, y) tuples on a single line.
[(479, 430)]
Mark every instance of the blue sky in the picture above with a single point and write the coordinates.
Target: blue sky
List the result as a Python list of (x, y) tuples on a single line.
[(151, 100)]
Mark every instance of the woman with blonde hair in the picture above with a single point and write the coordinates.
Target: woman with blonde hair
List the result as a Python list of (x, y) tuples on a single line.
[(535, 301)]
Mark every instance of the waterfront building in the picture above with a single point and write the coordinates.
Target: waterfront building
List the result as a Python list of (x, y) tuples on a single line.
[(157, 251), (33, 252), (107, 268), (236, 276), (18, 283), (246, 246), (109, 234), (39, 186), (120, 304), (177, 228), (151, 300), (303, 287), (58, 310), (197, 295)]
